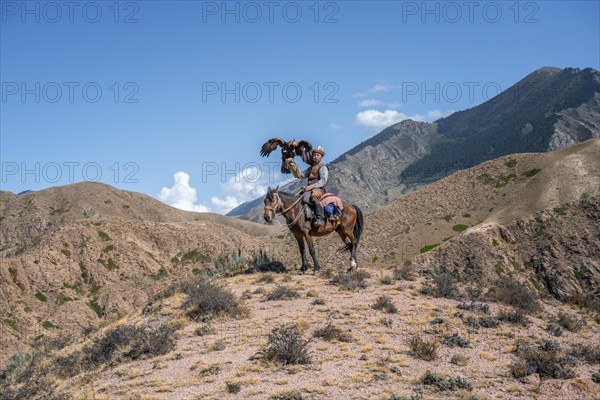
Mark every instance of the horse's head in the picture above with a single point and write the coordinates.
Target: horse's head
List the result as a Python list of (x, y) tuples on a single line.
[(272, 204)]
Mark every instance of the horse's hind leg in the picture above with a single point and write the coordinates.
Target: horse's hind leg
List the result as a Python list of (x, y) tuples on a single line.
[(352, 247)]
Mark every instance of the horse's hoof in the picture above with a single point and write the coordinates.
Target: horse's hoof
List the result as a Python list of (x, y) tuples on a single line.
[(316, 271), (352, 264)]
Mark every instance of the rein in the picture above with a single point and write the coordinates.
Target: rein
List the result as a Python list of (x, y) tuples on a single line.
[(280, 204)]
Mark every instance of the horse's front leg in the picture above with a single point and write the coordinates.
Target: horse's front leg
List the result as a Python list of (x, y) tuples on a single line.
[(313, 253), (300, 240)]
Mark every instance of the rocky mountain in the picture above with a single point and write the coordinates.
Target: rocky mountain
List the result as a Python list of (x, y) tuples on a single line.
[(549, 109), (529, 214)]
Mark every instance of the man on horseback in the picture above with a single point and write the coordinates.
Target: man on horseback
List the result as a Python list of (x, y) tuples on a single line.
[(317, 175)]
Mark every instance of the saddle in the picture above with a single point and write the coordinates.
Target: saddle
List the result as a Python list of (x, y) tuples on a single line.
[(332, 207)]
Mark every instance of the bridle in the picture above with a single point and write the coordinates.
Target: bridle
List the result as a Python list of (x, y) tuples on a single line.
[(279, 205)]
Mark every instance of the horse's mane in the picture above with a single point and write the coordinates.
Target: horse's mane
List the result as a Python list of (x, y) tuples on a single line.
[(287, 194)]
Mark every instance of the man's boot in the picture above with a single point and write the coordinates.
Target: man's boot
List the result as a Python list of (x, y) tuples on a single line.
[(319, 213)]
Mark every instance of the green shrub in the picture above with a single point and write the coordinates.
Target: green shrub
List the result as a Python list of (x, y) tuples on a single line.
[(12, 323), (104, 236), (41, 297), (425, 249), (160, 274), (531, 172), (459, 227)]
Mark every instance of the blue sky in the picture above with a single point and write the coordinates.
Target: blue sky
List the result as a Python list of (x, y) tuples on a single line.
[(174, 99)]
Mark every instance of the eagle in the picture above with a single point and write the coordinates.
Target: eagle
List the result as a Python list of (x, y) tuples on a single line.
[(289, 150)]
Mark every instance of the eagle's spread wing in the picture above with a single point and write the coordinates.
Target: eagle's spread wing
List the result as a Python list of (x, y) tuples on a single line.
[(271, 145), (304, 150)]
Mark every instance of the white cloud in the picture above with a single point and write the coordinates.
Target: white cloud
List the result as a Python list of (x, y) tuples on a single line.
[(375, 89), (380, 88), (248, 184), (394, 105), (377, 120), (369, 103), (335, 126), (181, 195)]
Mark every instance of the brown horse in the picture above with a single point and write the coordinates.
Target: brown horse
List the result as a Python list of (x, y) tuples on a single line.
[(349, 226)]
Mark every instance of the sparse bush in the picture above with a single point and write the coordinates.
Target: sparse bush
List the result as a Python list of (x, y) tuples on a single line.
[(459, 359), (406, 271), (131, 342), (230, 264), (213, 369), (423, 349), (455, 340), (286, 346), (554, 330), (444, 285), (385, 303), (386, 280), (570, 323), (283, 293), (318, 301), (515, 294), (596, 377), (351, 280), (246, 295), (331, 332), (266, 278), (474, 306), (516, 317), (16, 366), (590, 353), (443, 383), (293, 395), (483, 322), (262, 262), (416, 396), (206, 299), (204, 329), (545, 359), (233, 387), (218, 345)]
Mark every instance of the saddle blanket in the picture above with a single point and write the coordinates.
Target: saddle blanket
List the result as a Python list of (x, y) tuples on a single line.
[(328, 198)]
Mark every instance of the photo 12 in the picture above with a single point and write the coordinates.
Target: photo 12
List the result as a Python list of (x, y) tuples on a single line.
[(299, 200)]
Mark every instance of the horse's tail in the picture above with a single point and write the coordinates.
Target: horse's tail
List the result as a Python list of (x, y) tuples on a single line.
[(358, 228)]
